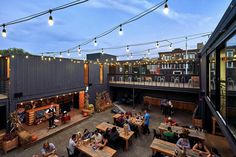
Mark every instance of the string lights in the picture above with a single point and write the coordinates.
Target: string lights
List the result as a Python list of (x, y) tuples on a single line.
[(120, 31), (4, 31), (94, 40), (30, 17), (127, 48), (50, 19), (157, 45), (166, 8)]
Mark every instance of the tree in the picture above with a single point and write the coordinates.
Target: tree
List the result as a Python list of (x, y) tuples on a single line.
[(15, 51)]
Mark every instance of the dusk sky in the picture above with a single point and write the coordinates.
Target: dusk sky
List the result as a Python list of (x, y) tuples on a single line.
[(82, 22)]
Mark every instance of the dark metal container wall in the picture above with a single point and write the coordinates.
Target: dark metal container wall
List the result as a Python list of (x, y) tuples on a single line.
[(34, 78)]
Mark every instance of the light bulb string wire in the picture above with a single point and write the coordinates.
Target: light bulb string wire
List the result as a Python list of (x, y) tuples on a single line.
[(136, 17), (143, 52), (190, 37), (139, 53), (30, 17), (147, 43)]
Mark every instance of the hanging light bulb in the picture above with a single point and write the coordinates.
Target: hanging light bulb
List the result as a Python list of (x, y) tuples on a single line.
[(4, 31), (157, 45), (166, 9), (95, 42), (26, 56), (170, 47), (120, 31), (79, 51), (131, 55), (149, 52), (68, 53), (102, 51), (127, 48), (50, 19)]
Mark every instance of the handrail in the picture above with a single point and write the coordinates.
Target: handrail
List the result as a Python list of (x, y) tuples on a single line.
[(169, 80)]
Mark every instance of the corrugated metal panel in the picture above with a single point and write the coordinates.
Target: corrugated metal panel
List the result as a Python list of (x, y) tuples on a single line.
[(34, 76)]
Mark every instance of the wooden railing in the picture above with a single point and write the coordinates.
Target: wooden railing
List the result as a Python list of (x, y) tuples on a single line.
[(180, 81)]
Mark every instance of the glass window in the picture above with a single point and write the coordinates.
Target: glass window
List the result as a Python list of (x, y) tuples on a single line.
[(212, 76), (227, 104)]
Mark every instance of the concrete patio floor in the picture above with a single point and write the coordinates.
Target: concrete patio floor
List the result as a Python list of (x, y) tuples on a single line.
[(139, 147)]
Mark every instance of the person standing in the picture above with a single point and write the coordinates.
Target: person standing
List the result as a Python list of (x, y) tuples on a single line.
[(73, 151), (51, 116), (146, 122)]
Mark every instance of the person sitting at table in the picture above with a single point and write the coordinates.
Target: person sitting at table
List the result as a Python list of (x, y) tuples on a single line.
[(214, 153), (169, 121), (128, 124), (103, 142), (73, 151), (120, 121), (97, 136), (48, 149), (86, 134), (169, 135), (201, 148), (183, 142)]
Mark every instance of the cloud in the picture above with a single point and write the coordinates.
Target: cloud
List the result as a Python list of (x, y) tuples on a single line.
[(131, 6)]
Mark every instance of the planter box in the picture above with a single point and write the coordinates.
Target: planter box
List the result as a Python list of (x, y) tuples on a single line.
[(197, 122), (9, 145)]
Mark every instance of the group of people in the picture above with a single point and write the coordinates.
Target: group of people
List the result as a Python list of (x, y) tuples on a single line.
[(125, 119), (167, 107), (184, 143)]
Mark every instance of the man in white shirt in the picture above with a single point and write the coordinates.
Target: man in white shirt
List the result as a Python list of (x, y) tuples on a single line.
[(97, 136), (51, 116), (72, 146)]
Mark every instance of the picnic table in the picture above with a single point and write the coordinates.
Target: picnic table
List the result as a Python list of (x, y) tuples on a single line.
[(103, 127), (133, 120), (168, 148), (104, 152), (178, 129)]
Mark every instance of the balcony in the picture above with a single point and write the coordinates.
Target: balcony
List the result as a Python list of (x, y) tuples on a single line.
[(4, 88), (186, 82)]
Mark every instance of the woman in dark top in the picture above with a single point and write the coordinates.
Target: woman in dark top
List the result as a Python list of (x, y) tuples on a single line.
[(104, 141), (201, 148)]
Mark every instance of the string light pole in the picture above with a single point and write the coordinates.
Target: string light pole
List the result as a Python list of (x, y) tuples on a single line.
[(186, 55)]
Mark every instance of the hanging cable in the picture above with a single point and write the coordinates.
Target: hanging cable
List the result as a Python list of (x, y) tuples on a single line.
[(33, 16)]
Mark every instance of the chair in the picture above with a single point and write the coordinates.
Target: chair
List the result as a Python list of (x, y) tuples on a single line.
[(68, 152), (112, 79), (121, 79), (230, 82), (190, 83), (176, 80), (129, 79), (156, 135), (162, 80)]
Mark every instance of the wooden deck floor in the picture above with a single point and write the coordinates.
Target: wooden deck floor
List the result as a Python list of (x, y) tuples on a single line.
[(43, 132)]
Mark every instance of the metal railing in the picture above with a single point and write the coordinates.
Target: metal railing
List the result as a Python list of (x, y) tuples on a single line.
[(4, 88), (176, 81)]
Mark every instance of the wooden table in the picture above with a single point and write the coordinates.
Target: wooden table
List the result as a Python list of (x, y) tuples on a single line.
[(133, 120), (105, 152), (178, 129), (103, 127), (168, 148)]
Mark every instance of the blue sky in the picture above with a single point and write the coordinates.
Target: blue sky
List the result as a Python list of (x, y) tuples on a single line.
[(79, 23)]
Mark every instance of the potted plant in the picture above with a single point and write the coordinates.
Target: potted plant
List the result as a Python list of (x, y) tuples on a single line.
[(10, 140)]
